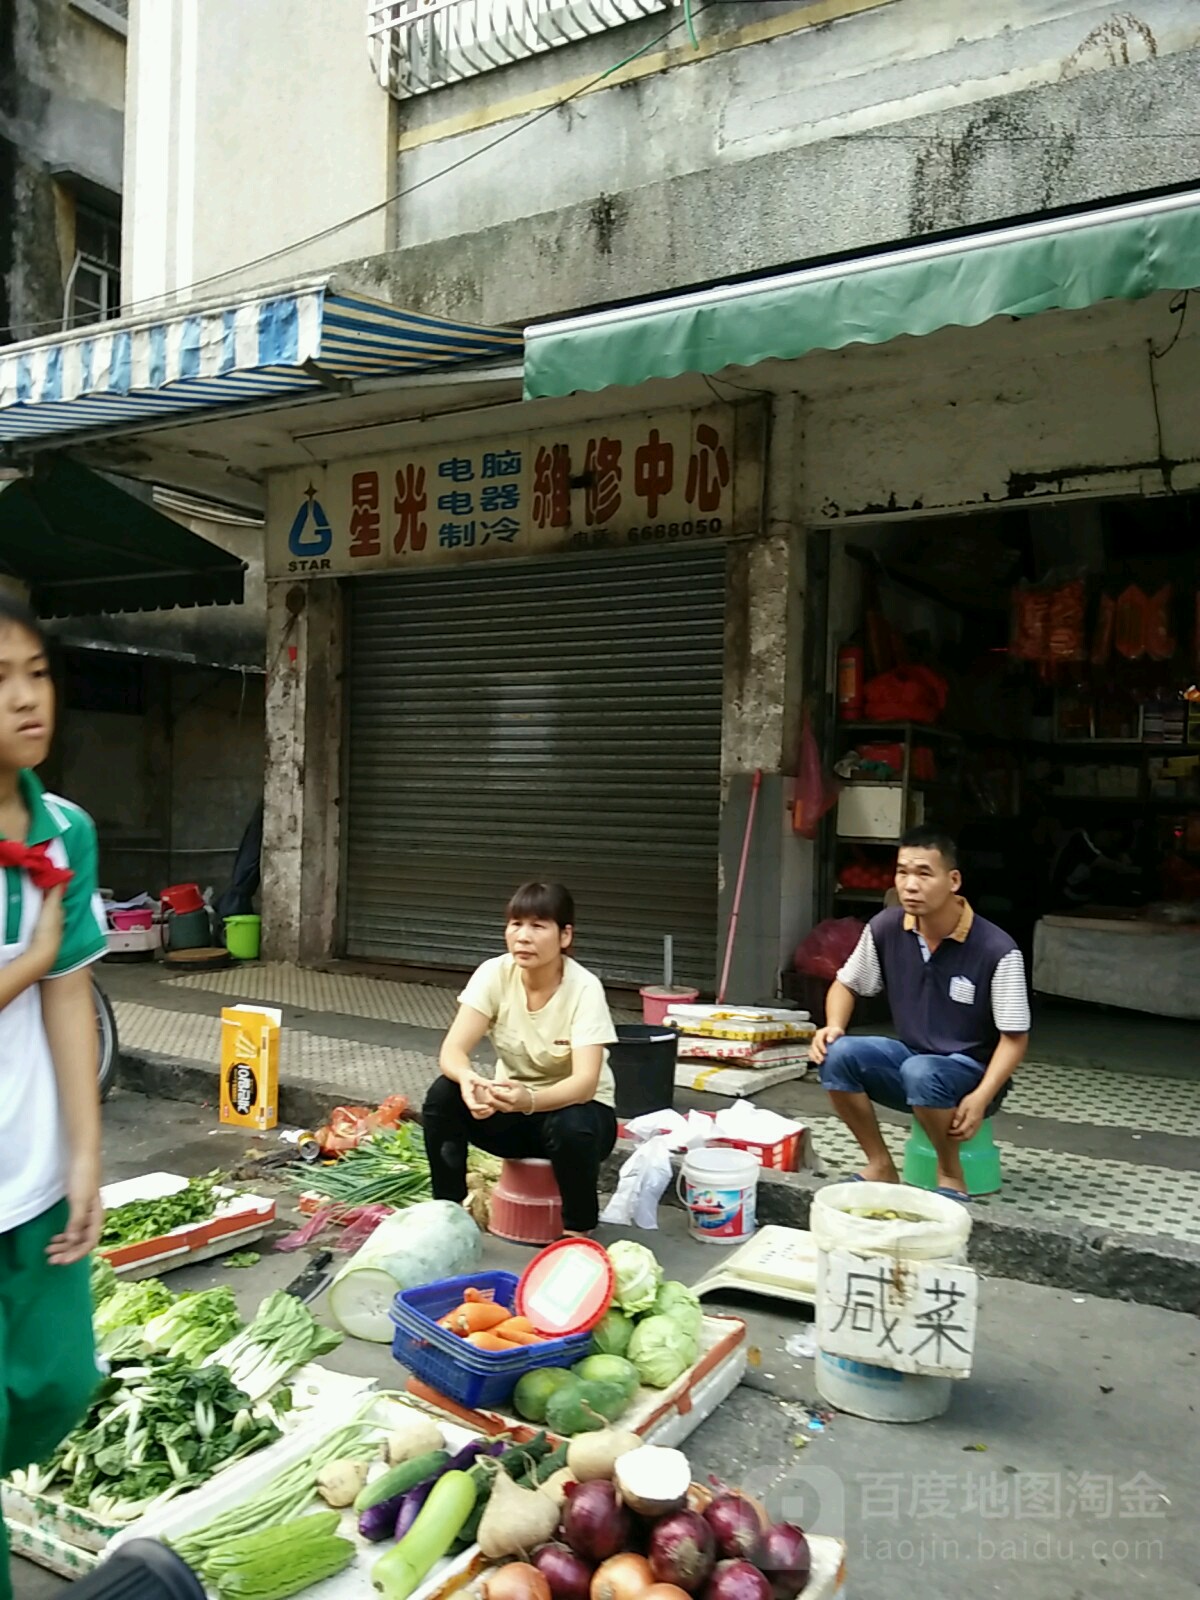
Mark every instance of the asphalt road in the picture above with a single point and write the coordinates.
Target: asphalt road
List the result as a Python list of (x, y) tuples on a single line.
[(1066, 1468)]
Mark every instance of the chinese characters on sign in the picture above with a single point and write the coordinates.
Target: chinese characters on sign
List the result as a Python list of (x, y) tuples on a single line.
[(628, 482), (913, 1316)]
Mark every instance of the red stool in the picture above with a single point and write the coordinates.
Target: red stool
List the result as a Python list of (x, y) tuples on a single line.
[(526, 1204)]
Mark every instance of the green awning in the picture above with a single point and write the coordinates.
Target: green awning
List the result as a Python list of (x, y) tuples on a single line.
[(83, 545), (1121, 252)]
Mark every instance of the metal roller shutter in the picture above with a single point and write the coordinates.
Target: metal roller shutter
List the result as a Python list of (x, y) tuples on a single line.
[(556, 719)]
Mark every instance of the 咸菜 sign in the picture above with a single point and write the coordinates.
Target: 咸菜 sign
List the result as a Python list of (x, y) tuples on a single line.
[(623, 483), (912, 1316)]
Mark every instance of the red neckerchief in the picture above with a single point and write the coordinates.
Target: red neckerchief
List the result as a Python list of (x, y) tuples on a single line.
[(35, 860)]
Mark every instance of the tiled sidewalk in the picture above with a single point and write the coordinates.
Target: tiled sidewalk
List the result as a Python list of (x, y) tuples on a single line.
[(1039, 1179)]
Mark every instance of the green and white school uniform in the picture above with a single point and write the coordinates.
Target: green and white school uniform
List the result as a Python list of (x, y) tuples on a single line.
[(47, 1361)]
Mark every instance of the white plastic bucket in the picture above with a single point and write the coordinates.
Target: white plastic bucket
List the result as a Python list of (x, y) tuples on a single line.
[(880, 1394), (719, 1187), (939, 1232)]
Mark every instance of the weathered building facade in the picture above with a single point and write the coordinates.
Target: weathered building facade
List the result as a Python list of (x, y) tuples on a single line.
[(595, 691)]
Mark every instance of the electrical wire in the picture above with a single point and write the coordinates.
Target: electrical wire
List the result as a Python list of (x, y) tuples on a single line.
[(691, 11)]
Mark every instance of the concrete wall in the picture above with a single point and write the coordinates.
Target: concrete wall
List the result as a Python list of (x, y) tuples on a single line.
[(61, 107), (889, 121), (252, 127)]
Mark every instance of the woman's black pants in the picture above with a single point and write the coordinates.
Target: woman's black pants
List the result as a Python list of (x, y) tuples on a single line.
[(575, 1141)]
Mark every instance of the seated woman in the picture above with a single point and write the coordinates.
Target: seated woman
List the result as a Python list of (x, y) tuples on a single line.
[(552, 1096)]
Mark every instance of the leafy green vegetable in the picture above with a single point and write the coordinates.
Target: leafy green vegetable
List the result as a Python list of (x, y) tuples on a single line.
[(638, 1276), (677, 1301), (661, 1351), (282, 1337), (154, 1427), (390, 1168), (131, 1305), (242, 1258), (195, 1326), (147, 1219), (104, 1280)]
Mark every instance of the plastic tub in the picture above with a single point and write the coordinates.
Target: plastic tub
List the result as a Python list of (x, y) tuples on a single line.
[(657, 1001), (129, 921), (243, 937), (453, 1367), (643, 1069), (719, 1188), (182, 898), (189, 930), (526, 1204)]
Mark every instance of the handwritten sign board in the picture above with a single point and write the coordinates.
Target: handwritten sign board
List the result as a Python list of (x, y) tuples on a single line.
[(912, 1316), (623, 483)]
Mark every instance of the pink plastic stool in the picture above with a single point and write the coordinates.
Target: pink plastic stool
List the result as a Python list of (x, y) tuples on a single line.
[(526, 1204)]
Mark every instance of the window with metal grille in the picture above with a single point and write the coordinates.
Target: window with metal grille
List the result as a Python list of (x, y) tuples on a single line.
[(419, 45), (94, 287)]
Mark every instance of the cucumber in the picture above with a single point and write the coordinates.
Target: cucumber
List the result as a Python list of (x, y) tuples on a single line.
[(399, 1480)]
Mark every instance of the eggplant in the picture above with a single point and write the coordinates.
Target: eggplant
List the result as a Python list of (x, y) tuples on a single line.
[(411, 1503)]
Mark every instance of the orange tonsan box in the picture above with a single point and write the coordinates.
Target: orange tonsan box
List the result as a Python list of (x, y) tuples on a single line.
[(250, 1066)]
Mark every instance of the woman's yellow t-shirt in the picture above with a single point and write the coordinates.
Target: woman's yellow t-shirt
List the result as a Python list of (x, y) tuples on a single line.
[(535, 1046)]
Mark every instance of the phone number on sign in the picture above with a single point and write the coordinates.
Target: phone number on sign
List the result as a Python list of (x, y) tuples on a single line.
[(675, 530)]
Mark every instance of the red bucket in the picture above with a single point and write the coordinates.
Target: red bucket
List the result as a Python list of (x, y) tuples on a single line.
[(181, 898)]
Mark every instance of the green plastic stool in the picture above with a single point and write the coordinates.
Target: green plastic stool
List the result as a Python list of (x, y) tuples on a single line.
[(980, 1160)]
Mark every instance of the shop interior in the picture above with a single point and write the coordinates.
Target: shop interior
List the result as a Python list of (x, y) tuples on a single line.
[(1030, 679)]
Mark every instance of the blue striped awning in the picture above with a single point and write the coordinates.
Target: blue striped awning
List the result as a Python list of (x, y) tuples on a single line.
[(124, 373)]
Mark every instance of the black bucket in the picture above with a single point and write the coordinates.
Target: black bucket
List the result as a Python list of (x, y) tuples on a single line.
[(643, 1068)]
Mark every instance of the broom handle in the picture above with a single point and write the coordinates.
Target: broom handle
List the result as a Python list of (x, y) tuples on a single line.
[(741, 880)]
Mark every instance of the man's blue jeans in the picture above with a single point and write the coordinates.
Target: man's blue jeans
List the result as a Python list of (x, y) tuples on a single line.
[(887, 1071)]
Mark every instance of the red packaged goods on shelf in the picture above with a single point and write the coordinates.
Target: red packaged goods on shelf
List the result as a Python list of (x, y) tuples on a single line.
[(1102, 639), (1131, 623), (1030, 625), (1160, 641), (828, 947), (909, 694), (1065, 636)]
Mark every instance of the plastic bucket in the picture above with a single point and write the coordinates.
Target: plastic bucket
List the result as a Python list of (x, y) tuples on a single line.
[(189, 930), (643, 1069), (879, 1393), (719, 1188), (938, 1231), (656, 1002), (182, 898), (129, 921), (243, 937)]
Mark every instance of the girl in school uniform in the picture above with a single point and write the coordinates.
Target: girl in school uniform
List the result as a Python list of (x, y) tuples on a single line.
[(50, 1213)]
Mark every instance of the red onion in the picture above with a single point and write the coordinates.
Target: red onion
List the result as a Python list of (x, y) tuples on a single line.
[(738, 1580), (736, 1524), (682, 1550), (783, 1555), (594, 1523), (569, 1577)]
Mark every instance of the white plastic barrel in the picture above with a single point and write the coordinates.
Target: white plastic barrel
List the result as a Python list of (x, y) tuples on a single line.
[(940, 1233), (719, 1187)]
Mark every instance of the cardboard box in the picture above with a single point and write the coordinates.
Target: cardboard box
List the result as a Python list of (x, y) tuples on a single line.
[(250, 1066)]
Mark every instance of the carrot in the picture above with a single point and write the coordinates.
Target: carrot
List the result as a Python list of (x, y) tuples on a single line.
[(475, 1316), (519, 1330), (487, 1295), (489, 1341)]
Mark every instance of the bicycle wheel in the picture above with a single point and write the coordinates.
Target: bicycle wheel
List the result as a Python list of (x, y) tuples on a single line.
[(106, 1028)]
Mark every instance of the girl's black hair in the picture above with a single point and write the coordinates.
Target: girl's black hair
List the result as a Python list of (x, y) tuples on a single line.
[(15, 612), (547, 902)]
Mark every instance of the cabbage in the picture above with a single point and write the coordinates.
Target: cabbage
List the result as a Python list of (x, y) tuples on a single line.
[(426, 1243), (638, 1276), (131, 1305), (611, 1335), (661, 1351), (676, 1300)]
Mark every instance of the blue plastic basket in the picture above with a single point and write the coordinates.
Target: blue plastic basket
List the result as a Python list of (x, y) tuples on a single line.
[(457, 1369)]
